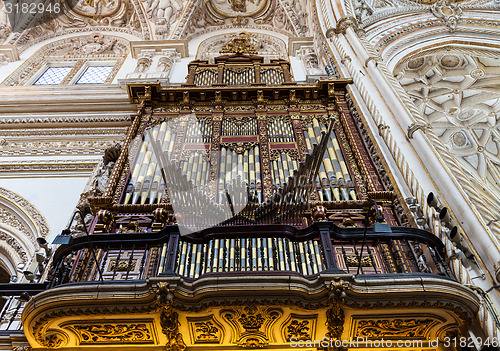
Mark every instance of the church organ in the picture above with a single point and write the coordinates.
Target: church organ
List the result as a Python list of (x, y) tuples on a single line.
[(251, 133), (242, 193)]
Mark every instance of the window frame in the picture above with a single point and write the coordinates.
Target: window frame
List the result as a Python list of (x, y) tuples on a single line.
[(44, 67), (93, 63)]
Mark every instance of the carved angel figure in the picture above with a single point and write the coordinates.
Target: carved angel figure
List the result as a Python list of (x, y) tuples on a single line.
[(5, 28)]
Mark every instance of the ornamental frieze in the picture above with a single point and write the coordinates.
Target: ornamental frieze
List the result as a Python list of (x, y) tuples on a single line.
[(408, 328), (110, 333)]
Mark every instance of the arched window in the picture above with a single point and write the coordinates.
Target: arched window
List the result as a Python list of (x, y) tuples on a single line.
[(86, 59)]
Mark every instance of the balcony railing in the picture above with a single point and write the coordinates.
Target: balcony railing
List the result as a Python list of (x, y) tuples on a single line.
[(258, 250)]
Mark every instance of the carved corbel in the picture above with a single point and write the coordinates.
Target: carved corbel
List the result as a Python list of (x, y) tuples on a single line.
[(335, 316), (169, 319)]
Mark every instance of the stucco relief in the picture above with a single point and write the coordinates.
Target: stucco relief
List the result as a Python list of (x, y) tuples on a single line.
[(95, 46), (458, 95), (162, 14), (20, 224), (203, 17)]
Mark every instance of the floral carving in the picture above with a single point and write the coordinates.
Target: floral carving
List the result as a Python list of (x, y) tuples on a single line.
[(299, 330), (206, 332), (112, 333), (251, 321), (251, 324), (407, 328), (239, 147)]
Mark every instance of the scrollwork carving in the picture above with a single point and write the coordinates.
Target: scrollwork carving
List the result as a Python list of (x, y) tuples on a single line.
[(353, 261), (252, 324), (112, 333), (299, 330), (401, 328), (239, 147)]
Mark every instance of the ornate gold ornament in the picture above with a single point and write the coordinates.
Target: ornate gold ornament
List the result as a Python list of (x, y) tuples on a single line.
[(111, 333), (242, 44), (396, 328), (238, 69), (131, 227), (251, 325), (239, 147), (122, 265), (353, 261), (50, 338), (335, 316), (169, 320), (251, 322), (299, 330), (299, 327), (276, 154), (335, 319), (205, 330)]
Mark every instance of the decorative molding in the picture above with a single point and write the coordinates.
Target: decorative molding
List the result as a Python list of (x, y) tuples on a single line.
[(251, 325), (449, 12), (335, 315), (12, 246), (413, 328), (8, 53), (239, 147), (113, 333), (342, 26), (180, 46), (35, 168), (464, 115), (416, 126), (28, 208), (63, 119), (92, 47), (56, 147)]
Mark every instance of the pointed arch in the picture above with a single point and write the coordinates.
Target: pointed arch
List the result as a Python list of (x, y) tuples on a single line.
[(20, 224)]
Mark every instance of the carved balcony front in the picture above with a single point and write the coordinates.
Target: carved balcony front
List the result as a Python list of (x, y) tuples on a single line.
[(248, 286)]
